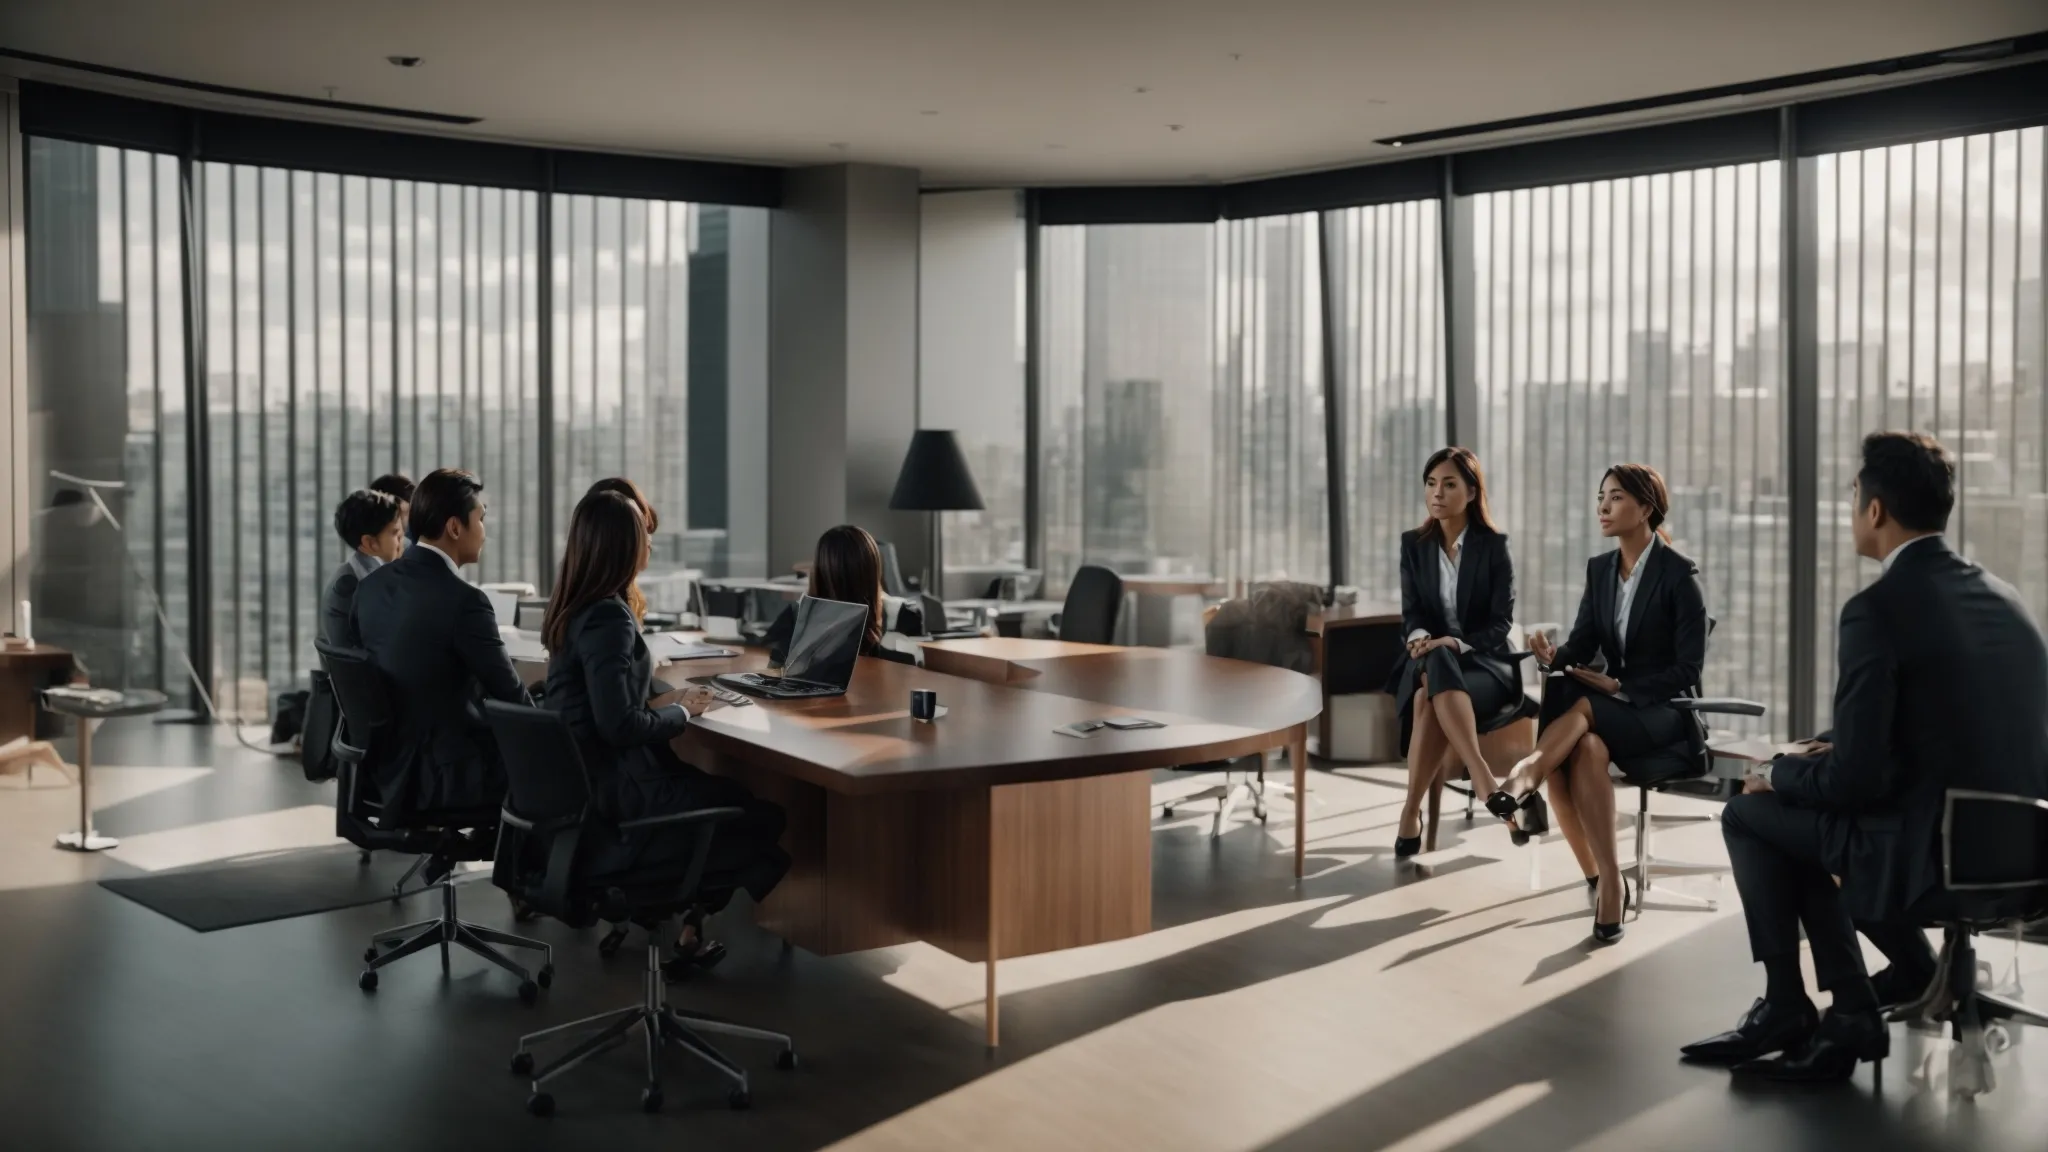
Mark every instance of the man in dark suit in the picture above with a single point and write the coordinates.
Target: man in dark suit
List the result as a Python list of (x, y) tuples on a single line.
[(1941, 677), (368, 523), (435, 637)]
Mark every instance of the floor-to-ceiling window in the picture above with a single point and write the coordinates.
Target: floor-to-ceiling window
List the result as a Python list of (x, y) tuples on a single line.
[(1181, 399), (644, 349), (1637, 320), (354, 327), (1931, 319), (1386, 301), (106, 404)]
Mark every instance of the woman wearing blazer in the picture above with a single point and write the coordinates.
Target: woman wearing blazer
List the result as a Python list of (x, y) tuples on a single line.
[(847, 566), (599, 677), (1457, 605), (1645, 614)]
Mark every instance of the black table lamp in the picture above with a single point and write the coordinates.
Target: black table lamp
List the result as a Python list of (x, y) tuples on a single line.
[(935, 479)]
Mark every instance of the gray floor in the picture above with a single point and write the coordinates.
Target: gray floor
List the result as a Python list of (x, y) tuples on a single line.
[(123, 1029)]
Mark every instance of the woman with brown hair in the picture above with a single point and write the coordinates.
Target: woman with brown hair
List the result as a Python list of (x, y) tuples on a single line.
[(599, 675), (847, 566), (1645, 614), (631, 491), (1457, 606)]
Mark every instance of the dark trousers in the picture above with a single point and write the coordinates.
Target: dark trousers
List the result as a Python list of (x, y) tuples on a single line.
[(1785, 859)]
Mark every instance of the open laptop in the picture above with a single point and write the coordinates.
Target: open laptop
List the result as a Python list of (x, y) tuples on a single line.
[(822, 650)]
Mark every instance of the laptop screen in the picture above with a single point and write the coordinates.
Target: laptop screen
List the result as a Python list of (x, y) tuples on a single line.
[(825, 641)]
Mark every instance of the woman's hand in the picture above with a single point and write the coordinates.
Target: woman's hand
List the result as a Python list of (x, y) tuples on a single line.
[(1419, 648), (1606, 685), (1539, 643), (694, 698)]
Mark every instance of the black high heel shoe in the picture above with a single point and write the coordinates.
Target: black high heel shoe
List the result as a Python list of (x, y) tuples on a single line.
[(1406, 846), (1609, 933), (1529, 816)]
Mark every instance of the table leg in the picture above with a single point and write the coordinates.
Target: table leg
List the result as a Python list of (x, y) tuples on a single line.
[(1297, 753), (989, 1005), (85, 840)]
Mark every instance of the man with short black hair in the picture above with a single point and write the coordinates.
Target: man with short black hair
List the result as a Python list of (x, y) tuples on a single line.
[(435, 637), (368, 524), (1941, 674)]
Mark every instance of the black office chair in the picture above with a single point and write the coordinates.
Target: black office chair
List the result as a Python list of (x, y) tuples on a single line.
[(441, 838), (1270, 626), (1095, 596), (1689, 760), (547, 821), (1994, 874)]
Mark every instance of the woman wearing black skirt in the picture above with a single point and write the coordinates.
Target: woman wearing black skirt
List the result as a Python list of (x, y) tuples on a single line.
[(1457, 605), (599, 677), (1645, 613)]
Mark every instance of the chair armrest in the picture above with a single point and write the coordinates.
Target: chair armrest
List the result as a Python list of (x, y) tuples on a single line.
[(693, 816), (1720, 706)]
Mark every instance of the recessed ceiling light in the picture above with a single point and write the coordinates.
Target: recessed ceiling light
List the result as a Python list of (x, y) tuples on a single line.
[(403, 61)]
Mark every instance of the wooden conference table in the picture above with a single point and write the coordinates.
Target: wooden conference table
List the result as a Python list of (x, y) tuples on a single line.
[(987, 833)]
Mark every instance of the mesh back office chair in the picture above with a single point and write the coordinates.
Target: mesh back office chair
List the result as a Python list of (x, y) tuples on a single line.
[(1095, 597), (1268, 627), (442, 838), (1994, 872), (547, 821)]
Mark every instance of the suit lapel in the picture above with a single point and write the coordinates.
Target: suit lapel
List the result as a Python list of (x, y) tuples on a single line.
[(1466, 571), (1610, 574)]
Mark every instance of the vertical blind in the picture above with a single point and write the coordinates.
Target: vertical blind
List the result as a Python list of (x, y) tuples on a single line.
[(1931, 319), (1637, 321)]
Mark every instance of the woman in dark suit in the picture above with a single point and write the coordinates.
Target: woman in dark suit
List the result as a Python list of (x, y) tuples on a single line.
[(1457, 605), (599, 673), (847, 566), (1645, 614)]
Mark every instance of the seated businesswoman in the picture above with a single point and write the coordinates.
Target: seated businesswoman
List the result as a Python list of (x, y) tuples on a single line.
[(1457, 604), (847, 566), (635, 599), (599, 671), (1644, 612)]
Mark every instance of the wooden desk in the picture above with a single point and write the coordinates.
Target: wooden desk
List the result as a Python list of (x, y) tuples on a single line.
[(23, 674), (987, 834)]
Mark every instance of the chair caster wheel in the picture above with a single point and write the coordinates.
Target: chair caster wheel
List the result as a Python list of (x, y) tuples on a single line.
[(650, 1099), (370, 954), (540, 1104), (362, 857), (529, 991), (522, 1063), (608, 947), (367, 981), (785, 1060), (739, 1100), (546, 976), (1167, 812)]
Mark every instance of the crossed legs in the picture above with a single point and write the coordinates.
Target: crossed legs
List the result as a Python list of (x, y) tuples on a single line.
[(1443, 720)]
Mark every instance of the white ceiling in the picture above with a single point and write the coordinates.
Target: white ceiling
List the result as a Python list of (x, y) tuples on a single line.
[(988, 92)]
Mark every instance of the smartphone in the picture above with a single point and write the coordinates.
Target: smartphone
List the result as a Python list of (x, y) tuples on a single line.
[(1130, 723)]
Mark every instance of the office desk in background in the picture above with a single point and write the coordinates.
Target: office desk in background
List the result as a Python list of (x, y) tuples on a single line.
[(24, 673), (987, 834), (1153, 599), (1356, 646)]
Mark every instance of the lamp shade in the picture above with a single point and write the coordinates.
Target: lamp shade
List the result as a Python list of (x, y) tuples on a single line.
[(934, 477)]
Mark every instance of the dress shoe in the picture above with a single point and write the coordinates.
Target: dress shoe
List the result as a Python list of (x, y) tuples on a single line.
[(1765, 1029), (1843, 1040)]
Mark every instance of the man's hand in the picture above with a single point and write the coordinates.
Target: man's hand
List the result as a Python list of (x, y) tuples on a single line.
[(1751, 785), (1607, 685)]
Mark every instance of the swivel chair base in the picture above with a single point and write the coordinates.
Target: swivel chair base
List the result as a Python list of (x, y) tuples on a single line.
[(659, 1024), (1978, 1019), (446, 929)]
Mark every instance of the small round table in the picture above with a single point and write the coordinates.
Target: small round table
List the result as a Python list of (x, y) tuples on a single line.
[(88, 705)]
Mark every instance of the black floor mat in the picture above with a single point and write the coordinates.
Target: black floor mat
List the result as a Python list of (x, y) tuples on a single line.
[(209, 897)]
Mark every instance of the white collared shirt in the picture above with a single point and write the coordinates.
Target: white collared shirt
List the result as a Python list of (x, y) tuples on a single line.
[(1447, 587), (445, 558), (1892, 557), (1629, 584)]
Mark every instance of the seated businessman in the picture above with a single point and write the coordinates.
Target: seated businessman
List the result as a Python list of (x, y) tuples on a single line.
[(1941, 679), (435, 637)]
